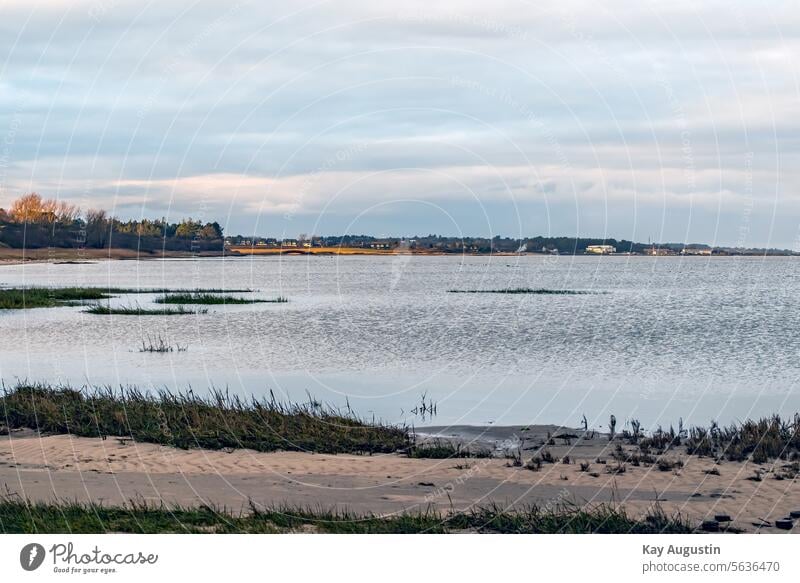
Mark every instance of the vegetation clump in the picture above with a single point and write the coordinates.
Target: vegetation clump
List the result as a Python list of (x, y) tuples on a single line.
[(524, 290), (214, 299), (140, 311), (189, 421), (21, 298), (160, 344), (757, 440), (42, 297), (22, 517), (444, 450)]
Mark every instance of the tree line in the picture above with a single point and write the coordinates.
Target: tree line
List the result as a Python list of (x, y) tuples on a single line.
[(35, 222)]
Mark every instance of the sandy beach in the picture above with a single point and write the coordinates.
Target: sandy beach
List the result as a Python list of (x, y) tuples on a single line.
[(111, 471)]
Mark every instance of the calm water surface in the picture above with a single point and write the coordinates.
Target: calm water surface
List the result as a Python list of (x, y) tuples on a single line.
[(699, 338)]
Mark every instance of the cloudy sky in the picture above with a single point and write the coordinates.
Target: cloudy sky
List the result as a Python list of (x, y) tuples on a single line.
[(676, 121)]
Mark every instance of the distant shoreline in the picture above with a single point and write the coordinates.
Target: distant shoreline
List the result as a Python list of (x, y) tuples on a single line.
[(10, 256)]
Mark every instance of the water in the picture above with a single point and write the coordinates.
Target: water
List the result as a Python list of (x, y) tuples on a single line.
[(697, 338)]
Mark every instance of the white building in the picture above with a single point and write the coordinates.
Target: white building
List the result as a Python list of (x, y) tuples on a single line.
[(601, 249)]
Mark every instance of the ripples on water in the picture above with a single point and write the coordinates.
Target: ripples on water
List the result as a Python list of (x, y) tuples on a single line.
[(692, 337)]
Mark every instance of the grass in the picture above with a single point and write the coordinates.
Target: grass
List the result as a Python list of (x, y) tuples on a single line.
[(188, 421), (212, 299), (21, 517), (440, 450), (524, 290), (140, 311), (43, 297), (25, 298), (161, 345), (757, 440)]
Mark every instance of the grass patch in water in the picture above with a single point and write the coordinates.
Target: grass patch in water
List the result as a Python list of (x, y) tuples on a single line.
[(525, 290), (40, 297), (140, 311), (46, 297), (214, 299)]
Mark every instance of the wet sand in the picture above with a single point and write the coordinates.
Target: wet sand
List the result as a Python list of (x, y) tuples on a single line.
[(107, 471)]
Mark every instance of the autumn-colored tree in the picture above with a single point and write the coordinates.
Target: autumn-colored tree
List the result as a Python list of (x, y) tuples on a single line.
[(27, 209), (32, 208)]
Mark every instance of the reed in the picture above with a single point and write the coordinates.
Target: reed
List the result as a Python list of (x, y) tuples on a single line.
[(525, 290), (22, 298), (756, 440), (186, 420), (214, 299), (140, 311), (40, 297), (161, 345)]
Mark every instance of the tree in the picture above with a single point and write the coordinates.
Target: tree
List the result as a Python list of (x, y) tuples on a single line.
[(27, 209), (97, 228), (210, 231), (187, 229), (32, 208)]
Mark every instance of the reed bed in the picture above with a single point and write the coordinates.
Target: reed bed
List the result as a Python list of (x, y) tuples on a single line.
[(140, 311), (214, 299), (39, 297), (525, 290), (45, 297), (22, 517), (186, 420)]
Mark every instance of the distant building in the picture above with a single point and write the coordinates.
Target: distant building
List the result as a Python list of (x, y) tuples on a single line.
[(660, 251), (695, 251), (601, 249)]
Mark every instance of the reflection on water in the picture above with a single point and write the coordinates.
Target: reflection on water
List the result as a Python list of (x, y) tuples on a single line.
[(691, 337)]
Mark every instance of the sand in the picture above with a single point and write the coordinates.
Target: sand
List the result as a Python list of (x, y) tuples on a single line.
[(107, 471)]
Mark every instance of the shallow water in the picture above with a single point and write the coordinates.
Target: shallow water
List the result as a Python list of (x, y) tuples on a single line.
[(697, 338)]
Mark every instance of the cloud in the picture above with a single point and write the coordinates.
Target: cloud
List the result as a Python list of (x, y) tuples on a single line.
[(628, 115)]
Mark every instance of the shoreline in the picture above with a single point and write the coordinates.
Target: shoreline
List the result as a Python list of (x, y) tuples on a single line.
[(65, 255), (112, 472), (61, 255)]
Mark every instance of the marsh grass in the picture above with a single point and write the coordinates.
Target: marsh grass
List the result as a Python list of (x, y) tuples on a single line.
[(26, 298), (22, 517), (525, 290), (444, 450), (213, 299), (160, 344), (186, 420), (140, 311), (757, 440), (44, 297)]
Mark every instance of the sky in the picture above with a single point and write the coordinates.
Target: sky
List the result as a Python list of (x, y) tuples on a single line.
[(666, 121)]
